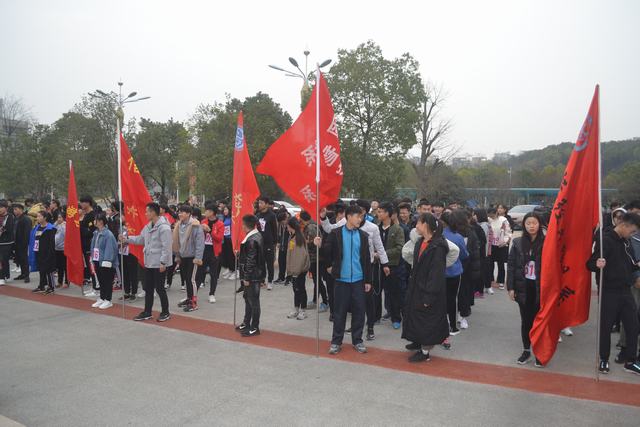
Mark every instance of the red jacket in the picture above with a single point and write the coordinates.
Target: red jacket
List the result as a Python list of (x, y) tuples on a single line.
[(216, 235)]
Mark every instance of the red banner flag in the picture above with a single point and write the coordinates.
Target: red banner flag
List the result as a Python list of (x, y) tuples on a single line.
[(291, 160), (135, 197), (565, 285), (245, 187), (72, 243)]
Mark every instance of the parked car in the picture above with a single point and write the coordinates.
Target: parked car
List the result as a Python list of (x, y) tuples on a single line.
[(293, 210), (517, 213)]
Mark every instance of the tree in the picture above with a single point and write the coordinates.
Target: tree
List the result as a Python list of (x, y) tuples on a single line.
[(432, 137), (14, 116), (377, 103), (156, 151)]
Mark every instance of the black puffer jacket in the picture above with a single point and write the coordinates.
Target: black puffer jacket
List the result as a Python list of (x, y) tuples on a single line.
[(516, 268), (251, 262)]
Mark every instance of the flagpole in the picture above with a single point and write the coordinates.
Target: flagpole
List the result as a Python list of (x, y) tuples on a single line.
[(235, 288), (317, 209), (600, 288), (76, 204), (121, 208)]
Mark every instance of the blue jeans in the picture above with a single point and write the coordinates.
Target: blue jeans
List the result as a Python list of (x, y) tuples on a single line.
[(348, 295)]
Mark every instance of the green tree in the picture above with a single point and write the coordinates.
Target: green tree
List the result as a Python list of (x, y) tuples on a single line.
[(377, 103)]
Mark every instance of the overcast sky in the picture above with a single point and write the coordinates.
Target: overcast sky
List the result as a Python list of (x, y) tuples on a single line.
[(520, 74)]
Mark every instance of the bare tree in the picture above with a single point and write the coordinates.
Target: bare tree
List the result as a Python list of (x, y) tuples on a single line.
[(14, 115), (433, 132)]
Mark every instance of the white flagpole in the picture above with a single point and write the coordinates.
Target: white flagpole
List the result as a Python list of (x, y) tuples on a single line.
[(121, 208), (75, 204), (600, 289), (317, 88)]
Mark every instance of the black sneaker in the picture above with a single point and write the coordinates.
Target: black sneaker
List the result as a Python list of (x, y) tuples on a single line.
[(347, 331), (183, 303), (634, 368), (371, 335), (125, 297), (20, 277), (386, 316), (142, 316), (604, 367), (27, 280), (38, 290), (539, 364), (413, 346), (454, 331), (49, 291), (163, 317), (248, 332), (190, 307), (524, 357), (278, 282), (241, 327), (620, 359), (132, 297), (615, 329), (419, 356)]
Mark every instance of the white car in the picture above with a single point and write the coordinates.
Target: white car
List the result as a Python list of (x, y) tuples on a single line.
[(517, 213), (293, 210)]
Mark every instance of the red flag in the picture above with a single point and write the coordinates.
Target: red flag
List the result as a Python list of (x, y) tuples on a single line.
[(245, 187), (72, 243), (291, 160), (135, 197), (565, 288)]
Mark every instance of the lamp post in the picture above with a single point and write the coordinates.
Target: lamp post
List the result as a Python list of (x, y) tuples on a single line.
[(305, 92), (119, 111)]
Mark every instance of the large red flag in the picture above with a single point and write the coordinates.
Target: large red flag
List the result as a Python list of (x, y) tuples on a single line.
[(72, 243), (565, 288), (135, 197), (291, 160), (245, 187)]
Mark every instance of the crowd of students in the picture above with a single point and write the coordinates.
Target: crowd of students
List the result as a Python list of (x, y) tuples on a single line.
[(420, 268)]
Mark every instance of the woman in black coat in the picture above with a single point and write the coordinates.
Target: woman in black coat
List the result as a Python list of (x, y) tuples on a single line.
[(523, 277), (425, 321)]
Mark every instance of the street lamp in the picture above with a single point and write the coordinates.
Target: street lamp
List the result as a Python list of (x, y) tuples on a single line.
[(304, 75)]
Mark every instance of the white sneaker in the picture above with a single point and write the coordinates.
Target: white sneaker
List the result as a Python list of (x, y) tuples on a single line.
[(225, 273), (301, 315), (269, 286), (463, 323), (212, 299), (490, 291), (559, 338), (292, 315), (182, 288), (91, 293), (2, 282), (97, 303), (567, 331), (140, 294), (501, 286), (16, 269), (105, 304)]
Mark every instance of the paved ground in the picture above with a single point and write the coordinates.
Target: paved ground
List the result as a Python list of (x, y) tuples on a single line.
[(66, 367)]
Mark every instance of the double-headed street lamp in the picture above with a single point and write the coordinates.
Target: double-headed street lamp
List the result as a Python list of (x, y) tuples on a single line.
[(305, 76)]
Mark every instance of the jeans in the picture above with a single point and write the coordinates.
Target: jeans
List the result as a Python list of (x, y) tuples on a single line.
[(348, 295), (453, 285), (528, 311), (251, 297), (300, 291), (105, 278), (154, 281), (613, 303)]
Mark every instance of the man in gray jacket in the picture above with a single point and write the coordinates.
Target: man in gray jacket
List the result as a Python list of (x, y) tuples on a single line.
[(188, 247), (156, 238)]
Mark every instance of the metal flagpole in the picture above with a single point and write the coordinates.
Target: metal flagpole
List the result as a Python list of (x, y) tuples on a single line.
[(317, 209), (235, 289), (600, 289), (120, 207), (83, 260)]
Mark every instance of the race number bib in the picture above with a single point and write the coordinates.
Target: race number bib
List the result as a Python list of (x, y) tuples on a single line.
[(208, 240), (530, 270), (263, 224), (96, 255), (36, 245), (227, 230)]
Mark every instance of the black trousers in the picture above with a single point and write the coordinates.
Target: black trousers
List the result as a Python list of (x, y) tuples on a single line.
[(453, 285), (210, 264), (323, 288), (154, 281), (187, 277), (46, 280), (87, 270), (300, 291), (105, 278), (465, 294), (171, 271), (269, 259), (614, 303), (499, 256), (130, 273), (392, 285), (528, 310), (348, 295), (330, 282), (5, 256), (228, 258), (22, 260), (251, 297), (61, 267), (282, 264), (373, 298)]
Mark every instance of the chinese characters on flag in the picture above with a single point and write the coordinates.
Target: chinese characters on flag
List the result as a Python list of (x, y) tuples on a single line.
[(72, 243), (291, 160)]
